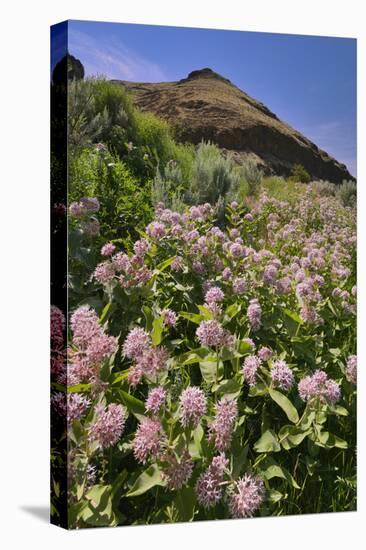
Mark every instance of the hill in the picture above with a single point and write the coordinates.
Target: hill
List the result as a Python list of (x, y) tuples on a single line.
[(207, 106)]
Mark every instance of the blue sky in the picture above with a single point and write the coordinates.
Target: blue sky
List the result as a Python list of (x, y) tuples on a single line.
[(308, 81)]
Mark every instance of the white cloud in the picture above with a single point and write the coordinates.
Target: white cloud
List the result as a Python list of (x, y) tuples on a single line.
[(112, 58)]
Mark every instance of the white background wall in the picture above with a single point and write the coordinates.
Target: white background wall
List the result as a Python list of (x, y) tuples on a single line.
[(24, 272)]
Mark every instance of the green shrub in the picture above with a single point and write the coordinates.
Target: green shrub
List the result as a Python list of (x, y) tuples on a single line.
[(324, 188), (280, 189), (253, 176), (347, 193), (212, 175), (299, 174), (85, 122), (125, 204)]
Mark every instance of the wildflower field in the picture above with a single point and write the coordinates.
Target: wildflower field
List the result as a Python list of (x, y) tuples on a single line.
[(206, 367)]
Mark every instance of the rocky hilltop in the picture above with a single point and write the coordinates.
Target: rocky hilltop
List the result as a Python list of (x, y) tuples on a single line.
[(207, 106)]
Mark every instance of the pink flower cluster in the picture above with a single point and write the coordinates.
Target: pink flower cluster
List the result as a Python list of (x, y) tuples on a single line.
[(351, 369), (254, 313), (137, 341), (155, 399), (58, 355), (177, 471), (214, 295), (85, 207), (209, 484), (108, 249), (247, 496), (169, 317), (109, 425), (57, 328), (149, 440), (281, 375), (77, 405), (129, 271), (265, 353), (148, 360), (250, 368), (319, 386), (92, 345), (222, 426), (193, 406), (212, 334)]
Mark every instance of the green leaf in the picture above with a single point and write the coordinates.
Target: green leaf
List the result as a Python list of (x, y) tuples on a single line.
[(134, 405), (244, 347), (285, 404), (267, 443), (157, 331), (99, 509), (292, 436), (230, 388), (232, 311), (79, 388), (193, 356), (149, 317), (104, 312), (340, 411), (118, 377), (238, 461), (274, 496), (275, 470), (292, 321), (211, 371), (193, 317), (163, 265), (205, 313), (148, 479), (329, 440), (185, 502)]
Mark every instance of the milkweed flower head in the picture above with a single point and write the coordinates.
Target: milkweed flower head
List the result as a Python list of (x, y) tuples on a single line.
[(83, 208), (208, 487), (227, 274), (319, 386), (177, 471), (210, 333), (223, 424), (155, 399), (250, 368), (57, 322), (254, 313), (265, 353), (169, 317), (214, 295), (141, 247), (109, 425), (193, 406), (104, 272), (136, 342), (77, 405), (247, 496), (153, 360), (108, 249), (149, 440), (351, 369), (281, 375), (156, 230), (177, 264), (93, 345), (85, 326), (239, 286)]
